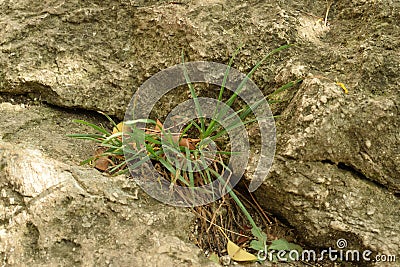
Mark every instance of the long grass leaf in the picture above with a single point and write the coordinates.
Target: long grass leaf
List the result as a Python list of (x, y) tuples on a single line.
[(193, 94), (251, 72), (285, 87), (210, 127), (132, 122), (94, 126), (87, 161), (109, 118), (84, 136), (232, 99), (189, 166)]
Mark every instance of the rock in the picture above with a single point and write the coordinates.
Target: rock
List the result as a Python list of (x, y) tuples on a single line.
[(355, 132), (45, 129), (336, 173), (94, 56), (56, 214), (336, 176)]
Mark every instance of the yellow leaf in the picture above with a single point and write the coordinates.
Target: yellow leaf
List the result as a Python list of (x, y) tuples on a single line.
[(118, 128), (159, 126), (343, 87), (238, 254)]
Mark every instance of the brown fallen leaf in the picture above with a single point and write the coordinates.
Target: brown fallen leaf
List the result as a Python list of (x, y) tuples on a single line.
[(102, 163), (186, 142)]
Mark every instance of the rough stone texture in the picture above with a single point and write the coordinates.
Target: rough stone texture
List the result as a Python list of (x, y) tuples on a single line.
[(45, 128), (57, 215), (337, 167), (94, 55), (336, 173)]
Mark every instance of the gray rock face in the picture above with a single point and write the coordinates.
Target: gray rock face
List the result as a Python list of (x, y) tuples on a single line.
[(95, 55), (336, 173), (57, 215)]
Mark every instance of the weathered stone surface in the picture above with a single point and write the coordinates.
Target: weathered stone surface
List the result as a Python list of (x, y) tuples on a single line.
[(57, 215), (336, 173), (44, 128), (95, 55), (357, 132), (337, 168)]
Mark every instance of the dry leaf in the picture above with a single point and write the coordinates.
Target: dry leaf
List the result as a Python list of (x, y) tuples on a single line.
[(102, 163), (238, 254), (118, 128), (187, 143), (159, 126)]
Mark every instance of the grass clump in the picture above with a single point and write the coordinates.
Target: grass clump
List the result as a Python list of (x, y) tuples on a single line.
[(200, 157)]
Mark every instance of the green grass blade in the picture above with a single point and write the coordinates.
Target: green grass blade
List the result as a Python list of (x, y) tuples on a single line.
[(221, 91), (87, 161), (232, 99), (172, 170), (210, 127), (187, 128), (189, 166), (251, 72), (138, 163), (285, 87), (97, 128), (235, 197), (193, 94), (246, 112), (151, 139), (113, 138), (133, 122), (228, 152), (109, 118), (92, 137), (116, 167)]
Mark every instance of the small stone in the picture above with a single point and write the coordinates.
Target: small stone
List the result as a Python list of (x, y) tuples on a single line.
[(370, 211), (337, 225), (3, 193), (308, 117), (225, 260), (368, 143)]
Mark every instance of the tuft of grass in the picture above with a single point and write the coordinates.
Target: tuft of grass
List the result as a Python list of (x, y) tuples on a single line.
[(193, 166)]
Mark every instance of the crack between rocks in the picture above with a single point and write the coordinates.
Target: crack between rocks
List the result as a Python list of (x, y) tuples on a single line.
[(357, 173), (78, 183), (35, 199), (348, 168)]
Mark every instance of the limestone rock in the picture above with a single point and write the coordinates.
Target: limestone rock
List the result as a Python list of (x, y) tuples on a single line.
[(55, 214), (336, 172)]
